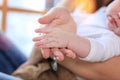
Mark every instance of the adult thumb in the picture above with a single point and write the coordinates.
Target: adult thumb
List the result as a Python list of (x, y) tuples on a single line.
[(48, 17)]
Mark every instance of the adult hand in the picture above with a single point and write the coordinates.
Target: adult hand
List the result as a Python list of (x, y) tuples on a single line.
[(58, 16), (113, 13)]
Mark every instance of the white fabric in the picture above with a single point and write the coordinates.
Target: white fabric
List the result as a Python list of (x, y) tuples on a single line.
[(104, 43)]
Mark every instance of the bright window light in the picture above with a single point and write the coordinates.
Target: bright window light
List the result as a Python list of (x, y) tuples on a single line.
[(38, 5), (1, 1), (20, 29)]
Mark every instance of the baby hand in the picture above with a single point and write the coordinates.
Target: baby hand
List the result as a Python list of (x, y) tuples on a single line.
[(54, 37)]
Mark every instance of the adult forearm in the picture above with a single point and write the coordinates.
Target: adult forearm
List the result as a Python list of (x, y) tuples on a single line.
[(80, 68), (108, 70)]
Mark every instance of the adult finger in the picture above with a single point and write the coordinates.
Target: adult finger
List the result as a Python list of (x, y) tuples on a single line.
[(48, 17), (43, 30), (55, 16)]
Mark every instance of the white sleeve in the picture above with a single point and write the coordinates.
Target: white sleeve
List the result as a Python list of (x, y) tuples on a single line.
[(103, 48)]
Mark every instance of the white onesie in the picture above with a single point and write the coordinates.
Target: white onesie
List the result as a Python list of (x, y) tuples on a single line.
[(104, 43)]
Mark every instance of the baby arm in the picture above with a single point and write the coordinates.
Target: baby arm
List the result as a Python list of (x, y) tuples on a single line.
[(56, 37), (105, 46)]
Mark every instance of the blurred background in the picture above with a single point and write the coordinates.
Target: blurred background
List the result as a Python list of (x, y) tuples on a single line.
[(18, 19)]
